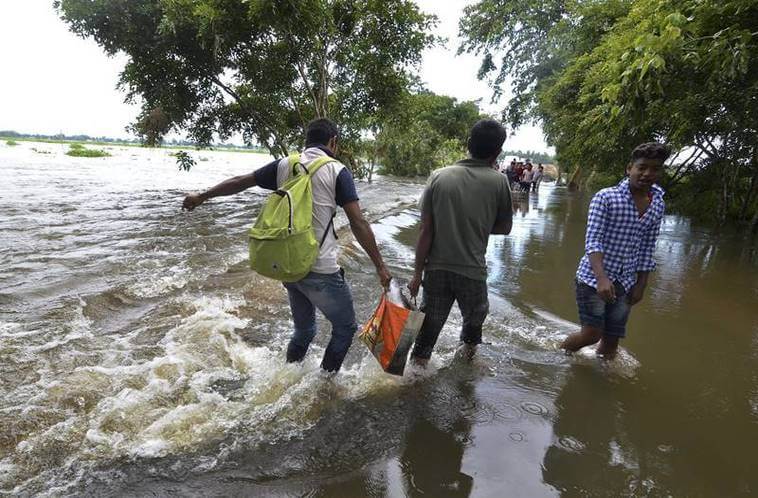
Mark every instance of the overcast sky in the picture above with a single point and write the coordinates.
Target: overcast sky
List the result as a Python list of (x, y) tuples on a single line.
[(52, 81)]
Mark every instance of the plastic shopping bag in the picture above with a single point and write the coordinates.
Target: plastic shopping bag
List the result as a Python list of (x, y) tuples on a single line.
[(392, 329)]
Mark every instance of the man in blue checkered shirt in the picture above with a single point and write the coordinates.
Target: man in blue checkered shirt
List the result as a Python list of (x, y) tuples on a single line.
[(622, 228)]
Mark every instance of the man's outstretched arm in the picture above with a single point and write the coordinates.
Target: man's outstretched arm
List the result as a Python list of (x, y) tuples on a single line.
[(365, 237), (231, 186)]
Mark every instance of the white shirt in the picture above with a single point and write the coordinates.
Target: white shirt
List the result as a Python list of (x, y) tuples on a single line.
[(324, 187)]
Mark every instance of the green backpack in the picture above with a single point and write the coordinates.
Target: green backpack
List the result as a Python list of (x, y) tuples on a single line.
[(283, 245)]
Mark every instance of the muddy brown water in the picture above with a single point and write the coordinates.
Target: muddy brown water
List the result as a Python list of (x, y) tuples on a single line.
[(140, 357)]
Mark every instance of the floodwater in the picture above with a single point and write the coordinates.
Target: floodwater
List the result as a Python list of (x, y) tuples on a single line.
[(140, 357)]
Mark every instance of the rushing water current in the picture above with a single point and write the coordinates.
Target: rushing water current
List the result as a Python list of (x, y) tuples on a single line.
[(139, 356)]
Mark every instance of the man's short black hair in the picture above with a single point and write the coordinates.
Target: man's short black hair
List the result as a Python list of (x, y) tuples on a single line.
[(487, 139), (320, 131), (651, 150)]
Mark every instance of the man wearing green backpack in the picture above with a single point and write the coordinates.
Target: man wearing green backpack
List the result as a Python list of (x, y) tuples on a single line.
[(302, 253)]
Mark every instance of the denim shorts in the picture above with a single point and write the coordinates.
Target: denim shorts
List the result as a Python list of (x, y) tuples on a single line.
[(609, 317)]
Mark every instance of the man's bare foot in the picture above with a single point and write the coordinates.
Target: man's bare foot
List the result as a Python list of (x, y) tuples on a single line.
[(467, 351), (605, 357)]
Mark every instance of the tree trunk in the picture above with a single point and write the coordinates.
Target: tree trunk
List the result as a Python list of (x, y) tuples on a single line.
[(573, 184), (745, 211), (724, 199)]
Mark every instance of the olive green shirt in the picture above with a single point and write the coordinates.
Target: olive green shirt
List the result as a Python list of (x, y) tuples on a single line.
[(465, 200)]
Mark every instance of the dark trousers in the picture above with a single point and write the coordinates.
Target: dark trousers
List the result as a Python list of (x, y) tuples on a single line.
[(441, 289)]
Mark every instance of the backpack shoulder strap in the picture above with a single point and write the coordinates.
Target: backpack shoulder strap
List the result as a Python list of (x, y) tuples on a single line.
[(294, 161), (315, 165)]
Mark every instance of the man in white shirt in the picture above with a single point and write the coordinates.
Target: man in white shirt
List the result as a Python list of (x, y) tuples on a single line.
[(325, 286)]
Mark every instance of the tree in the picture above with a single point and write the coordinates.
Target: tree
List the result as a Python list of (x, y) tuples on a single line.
[(259, 68), (427, 131), (609, 74)]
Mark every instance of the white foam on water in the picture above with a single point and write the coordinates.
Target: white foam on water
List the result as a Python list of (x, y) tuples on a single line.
[(76, 327), (8, 471), (15, 330), (177, 409), (161, 281), (554, 331)]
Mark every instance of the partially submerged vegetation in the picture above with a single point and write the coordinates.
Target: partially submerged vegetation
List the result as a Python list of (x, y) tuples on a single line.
[(184, 160), (11, 143), (78, 150)]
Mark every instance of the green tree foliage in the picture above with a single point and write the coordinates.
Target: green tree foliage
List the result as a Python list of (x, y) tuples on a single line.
[(261, 68), (152, 125), (426, 132), (605, 75)]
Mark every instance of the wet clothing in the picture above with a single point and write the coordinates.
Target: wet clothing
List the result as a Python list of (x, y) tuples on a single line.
[(465, 200), (325, 286), (611, 318), (441, 289), (626, 239), (332, 185), (330, 293)]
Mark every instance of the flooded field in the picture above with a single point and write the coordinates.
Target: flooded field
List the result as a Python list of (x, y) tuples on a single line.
[(139, 356)]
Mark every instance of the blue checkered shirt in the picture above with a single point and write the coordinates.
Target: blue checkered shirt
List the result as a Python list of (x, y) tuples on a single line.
[(615, 229)]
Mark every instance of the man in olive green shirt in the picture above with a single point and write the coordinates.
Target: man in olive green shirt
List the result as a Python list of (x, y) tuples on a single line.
[(461, 206)]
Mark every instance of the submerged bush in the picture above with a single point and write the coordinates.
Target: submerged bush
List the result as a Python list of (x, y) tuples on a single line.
[(184, 160), (11, 142), (78, 150)]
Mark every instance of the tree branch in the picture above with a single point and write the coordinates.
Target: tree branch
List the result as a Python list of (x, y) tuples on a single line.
[(251, 112), (309, 88), (686, 166)]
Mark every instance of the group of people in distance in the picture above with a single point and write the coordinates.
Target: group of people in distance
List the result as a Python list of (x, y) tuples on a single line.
[(524, 176), (461, 206)]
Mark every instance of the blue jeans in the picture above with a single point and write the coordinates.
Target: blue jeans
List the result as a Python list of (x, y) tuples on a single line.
[(330, 293), (611, 318)]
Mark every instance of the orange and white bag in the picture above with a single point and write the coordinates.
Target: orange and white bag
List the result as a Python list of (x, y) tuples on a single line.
[(392, 330)]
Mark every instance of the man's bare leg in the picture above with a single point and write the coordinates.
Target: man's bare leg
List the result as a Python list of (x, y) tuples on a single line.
[(586, 336), (608, 347)]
